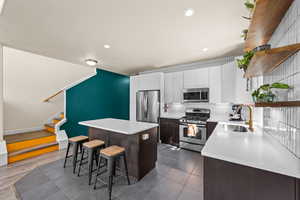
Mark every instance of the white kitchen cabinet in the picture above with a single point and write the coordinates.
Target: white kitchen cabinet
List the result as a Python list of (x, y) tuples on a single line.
[(228, 82), (149, 81), (215, 85), (173, 87), (197, 78)]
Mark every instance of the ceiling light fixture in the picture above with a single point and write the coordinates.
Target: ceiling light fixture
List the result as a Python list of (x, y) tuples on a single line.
[(1, 6), (189, 12), (106, 46), (91, 62), (205, 49)]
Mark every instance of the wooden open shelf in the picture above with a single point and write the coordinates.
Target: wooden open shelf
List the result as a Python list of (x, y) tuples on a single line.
[(279, 104), (266, 16), (266, 61)]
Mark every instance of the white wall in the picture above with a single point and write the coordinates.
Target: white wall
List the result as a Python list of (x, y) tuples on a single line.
[(28, 80), (1, 93)]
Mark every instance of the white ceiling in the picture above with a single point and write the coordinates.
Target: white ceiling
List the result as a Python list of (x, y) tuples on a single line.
[(143, 34)]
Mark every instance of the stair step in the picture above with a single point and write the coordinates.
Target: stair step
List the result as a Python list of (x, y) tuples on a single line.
[(56, 120), (32, 152), (50, 127), (17, 146), (27, 150)]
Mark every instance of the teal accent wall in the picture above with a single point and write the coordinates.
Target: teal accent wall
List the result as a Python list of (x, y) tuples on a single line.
[(105, 95)]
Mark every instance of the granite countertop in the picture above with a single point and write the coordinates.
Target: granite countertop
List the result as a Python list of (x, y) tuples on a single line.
[(120, 126), (254, 149)]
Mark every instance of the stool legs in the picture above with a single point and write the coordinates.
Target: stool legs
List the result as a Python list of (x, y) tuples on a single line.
[(80, 163), (110, 171), (90, 163), (67, 153), (126, 169), (74, 156)]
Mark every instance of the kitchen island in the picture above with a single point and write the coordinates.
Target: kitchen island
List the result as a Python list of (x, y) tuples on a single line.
[(138, 138)]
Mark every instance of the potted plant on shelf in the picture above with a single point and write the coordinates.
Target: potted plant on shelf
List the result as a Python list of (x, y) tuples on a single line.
[(265, 93), (245, 61)]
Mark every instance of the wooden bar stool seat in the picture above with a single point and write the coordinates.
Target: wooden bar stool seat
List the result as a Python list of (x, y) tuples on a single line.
[(112, 151), (92, 147), (111, 154), (76, 142)]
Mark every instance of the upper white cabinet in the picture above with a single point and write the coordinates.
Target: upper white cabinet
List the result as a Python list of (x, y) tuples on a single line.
[(149, 81), (197, 78), (173, 87), (215, 90), (228, 82)]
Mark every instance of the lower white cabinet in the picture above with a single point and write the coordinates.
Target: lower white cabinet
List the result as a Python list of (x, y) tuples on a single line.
[(173, 87)]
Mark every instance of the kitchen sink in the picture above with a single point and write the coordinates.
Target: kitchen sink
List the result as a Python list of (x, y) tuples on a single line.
[(236, 128)]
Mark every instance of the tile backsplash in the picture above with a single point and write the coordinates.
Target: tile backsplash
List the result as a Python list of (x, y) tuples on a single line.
[(284, 123)]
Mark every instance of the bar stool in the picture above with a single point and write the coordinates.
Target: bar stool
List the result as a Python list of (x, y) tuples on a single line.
[(75, 142), (111, 154), (93, 147)]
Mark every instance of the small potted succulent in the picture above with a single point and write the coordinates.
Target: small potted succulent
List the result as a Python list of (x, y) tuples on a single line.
[(244, 34), (271, 92), (245, 61)]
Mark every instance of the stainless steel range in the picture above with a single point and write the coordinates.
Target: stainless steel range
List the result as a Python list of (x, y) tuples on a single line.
[(192, 129)]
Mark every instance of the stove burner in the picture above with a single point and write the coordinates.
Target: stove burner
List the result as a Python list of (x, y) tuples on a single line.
[(196, 116)]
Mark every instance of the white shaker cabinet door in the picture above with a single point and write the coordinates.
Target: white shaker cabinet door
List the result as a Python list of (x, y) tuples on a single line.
[(215, 84), (228, 82), (173, 87), (197, 78), (168, 78), (177, 85)]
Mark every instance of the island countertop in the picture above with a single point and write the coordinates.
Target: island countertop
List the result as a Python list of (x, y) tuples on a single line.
[(120, 126)]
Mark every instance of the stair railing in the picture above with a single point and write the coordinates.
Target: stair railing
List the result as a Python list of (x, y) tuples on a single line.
[(52, 96)]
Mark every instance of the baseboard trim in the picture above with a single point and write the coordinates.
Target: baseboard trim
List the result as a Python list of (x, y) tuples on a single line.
[(24, 130)]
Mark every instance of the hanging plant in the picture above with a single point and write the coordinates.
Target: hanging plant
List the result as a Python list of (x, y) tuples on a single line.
[(249, 5), (244, 34), (245, 61)]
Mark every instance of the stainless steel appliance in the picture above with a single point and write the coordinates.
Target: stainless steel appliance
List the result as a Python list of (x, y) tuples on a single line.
[(148, 106), (192, 129), (196, 95)]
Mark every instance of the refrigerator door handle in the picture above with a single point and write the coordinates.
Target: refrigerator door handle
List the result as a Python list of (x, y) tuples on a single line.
[(146, 106)]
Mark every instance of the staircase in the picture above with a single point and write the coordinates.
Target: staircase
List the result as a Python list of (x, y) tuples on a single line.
[(27, 145)]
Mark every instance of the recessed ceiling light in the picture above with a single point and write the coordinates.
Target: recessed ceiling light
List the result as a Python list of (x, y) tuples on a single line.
[(91, 62), (189, 12), (1, 5), (205, 49), (106, 46)]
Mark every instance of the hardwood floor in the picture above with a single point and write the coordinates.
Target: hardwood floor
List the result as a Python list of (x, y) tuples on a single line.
[(13, 172)]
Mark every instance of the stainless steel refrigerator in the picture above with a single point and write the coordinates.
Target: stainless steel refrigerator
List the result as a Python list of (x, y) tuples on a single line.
[(148, 106)]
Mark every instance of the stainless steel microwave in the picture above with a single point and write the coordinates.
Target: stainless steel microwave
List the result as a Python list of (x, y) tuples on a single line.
[(196, 95)]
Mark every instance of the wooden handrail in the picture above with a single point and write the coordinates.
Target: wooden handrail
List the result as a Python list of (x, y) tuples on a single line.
[(52, 96)]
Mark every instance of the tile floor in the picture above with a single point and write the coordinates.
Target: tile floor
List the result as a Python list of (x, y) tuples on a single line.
[(177, 176)]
